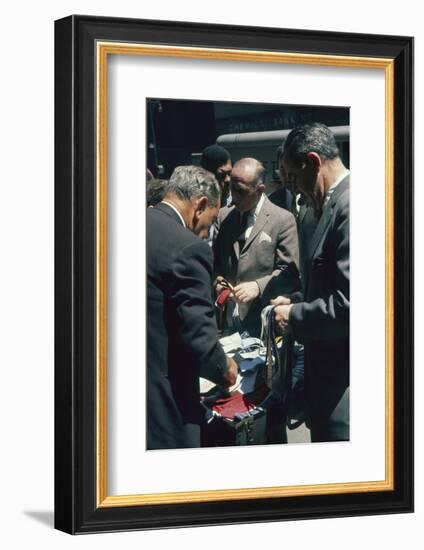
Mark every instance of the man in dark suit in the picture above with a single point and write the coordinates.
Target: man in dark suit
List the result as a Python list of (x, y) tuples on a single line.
[(283, 196), (256, 243), (321, 321), (182, 340)]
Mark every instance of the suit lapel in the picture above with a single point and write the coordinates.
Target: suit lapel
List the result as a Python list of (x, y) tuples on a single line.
[(261, 220), (326, 216), (322, 228)]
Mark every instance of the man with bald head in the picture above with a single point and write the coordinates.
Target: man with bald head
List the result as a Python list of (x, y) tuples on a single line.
[(255, 247)]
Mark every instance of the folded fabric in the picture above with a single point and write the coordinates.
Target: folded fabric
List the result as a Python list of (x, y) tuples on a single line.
[(237, 403), (229, 406)]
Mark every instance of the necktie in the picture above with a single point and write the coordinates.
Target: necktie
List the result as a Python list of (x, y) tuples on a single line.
[(242, 231)]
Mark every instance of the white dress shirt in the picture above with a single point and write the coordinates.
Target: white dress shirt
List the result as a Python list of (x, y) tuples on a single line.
[(335, 184)]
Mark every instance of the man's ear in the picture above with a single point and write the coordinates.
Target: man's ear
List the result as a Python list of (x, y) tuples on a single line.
[(315, 160), (201, 204), (260, 187)]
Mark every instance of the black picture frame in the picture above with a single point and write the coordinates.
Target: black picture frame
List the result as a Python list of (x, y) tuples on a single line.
[(76, 483)]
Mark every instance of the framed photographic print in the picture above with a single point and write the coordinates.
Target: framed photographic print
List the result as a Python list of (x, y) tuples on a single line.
[(143, 110)]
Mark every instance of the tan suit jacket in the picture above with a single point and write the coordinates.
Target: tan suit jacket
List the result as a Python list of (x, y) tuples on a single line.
[(270, 254)]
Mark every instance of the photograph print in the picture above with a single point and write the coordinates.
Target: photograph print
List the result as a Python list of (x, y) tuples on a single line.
[(247, 239)]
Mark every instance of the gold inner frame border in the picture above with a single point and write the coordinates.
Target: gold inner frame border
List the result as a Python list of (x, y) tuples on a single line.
[(103, 50)]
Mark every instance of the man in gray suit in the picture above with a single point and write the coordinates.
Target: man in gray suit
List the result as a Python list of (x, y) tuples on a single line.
[(321, 320), (256, 243)]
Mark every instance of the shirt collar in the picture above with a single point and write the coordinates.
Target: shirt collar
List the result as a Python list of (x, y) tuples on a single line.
[(335, 184), (175, 210), (255, 212)]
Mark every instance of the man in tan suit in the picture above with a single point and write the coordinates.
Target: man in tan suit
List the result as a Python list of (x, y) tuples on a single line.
[(255, 247)]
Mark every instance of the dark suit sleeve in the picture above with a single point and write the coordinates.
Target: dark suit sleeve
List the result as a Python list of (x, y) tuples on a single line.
[(191, 299), (327, 317)]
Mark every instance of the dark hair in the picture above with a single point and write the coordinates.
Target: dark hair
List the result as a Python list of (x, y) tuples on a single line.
[(156, 190), (189, 182), (280, 150), (213, 157), (314, 137)]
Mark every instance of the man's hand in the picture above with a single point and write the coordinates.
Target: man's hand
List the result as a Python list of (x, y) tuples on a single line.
[(218, 289), (282, 317), (231, 374), (246, 292), (280, 301), (222, 284)]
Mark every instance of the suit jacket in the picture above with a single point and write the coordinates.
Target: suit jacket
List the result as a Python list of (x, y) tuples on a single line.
[(306, 226), (283, 198), (321, 321), (270, 252), (182, 339)]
